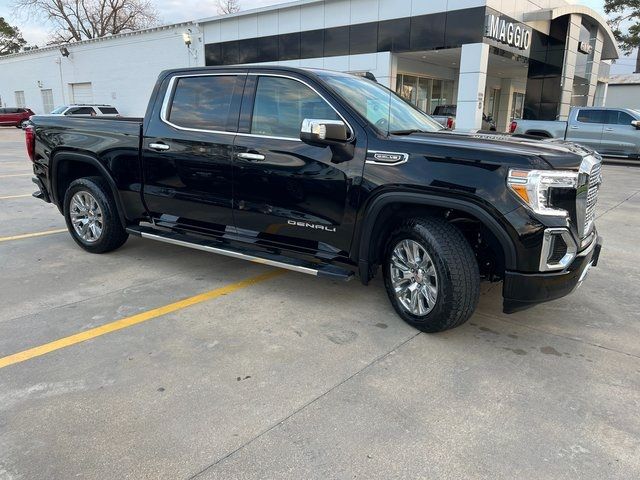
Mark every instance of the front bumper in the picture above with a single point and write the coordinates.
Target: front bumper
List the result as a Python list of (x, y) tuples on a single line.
[(524, 290)]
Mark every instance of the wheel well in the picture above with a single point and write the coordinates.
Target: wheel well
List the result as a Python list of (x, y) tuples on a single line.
[(486, 246), (538, 133), (67, 171)]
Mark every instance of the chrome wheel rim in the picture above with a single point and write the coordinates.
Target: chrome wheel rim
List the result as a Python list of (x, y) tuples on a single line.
[(86, 216), (413, 277)]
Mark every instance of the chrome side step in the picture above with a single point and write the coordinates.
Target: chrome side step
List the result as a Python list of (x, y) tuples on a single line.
[(263, 258)]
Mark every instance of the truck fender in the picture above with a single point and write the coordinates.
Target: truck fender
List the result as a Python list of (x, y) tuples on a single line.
[(425, 199), (104, 173)]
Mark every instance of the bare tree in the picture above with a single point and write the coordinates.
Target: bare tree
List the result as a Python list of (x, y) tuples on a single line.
[(225, 7), (75, 20)]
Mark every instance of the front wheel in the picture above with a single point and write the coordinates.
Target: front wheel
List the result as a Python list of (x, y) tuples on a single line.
[(431, 274), (91, 215)]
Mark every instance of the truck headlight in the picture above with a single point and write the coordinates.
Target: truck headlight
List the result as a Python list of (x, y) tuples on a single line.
[(533, 187)]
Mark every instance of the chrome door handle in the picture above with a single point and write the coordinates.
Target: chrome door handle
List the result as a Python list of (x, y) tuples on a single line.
[(255, 157), (609, 129), (573, 127), (160, 147)]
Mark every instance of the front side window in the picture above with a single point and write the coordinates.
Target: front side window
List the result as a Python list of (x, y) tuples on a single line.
[(59, 110), (591, 116), (618, 117), (380, 106), (202, 103), (282, 104)]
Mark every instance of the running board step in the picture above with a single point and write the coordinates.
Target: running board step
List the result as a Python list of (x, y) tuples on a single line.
[(264, 258)]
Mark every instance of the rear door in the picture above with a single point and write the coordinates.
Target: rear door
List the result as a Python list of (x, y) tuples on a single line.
[(187, 151), (3, 116), (288, 192), (619, 136), (586, 127)]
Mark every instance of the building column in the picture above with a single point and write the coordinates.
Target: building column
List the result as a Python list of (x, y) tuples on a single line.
[(593, 65), (569, 71), (472, 83)]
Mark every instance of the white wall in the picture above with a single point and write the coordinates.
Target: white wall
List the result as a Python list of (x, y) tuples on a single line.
[(624, 96), (122, 70)]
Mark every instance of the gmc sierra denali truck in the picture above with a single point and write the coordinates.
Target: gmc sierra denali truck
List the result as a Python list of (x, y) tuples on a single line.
[(332, 175)]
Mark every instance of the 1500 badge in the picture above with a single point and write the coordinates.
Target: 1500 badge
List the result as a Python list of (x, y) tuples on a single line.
[(311, 225)]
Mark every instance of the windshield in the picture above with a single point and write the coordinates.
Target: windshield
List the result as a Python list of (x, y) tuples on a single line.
[(380, 106), (59, 110)]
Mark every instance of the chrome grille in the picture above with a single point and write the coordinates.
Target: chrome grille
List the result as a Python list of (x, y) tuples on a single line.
[(589, 180), (592, 197)]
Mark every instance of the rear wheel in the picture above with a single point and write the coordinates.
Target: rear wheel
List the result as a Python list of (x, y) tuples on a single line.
[(92, 216), (431, 274)]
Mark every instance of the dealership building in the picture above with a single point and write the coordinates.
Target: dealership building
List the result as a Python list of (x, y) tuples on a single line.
[(501, 58)]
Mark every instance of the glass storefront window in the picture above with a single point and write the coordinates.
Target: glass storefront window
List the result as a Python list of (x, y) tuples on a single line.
[(425, 93), (517, 107)]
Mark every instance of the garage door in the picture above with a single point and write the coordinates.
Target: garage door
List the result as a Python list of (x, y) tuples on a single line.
[(81, 93)]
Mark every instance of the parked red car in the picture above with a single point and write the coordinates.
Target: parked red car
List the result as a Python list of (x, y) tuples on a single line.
[(16, 117)]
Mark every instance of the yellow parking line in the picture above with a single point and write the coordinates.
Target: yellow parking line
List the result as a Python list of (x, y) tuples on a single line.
[(31, 235), (16, 196), (17, 175), (133, 320)]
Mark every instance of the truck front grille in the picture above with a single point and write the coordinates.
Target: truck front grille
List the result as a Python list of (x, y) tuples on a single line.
[(592, 197), (589, 181)]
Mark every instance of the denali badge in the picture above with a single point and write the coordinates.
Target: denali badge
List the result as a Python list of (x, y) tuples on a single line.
[(311, 225), (386, 158)]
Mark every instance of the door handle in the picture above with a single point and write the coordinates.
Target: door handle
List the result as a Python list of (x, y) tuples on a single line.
[(574, 127), (159, 147), (609, 129), (254, 157)]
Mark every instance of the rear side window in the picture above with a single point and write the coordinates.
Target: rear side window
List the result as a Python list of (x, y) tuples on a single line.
[(202, 102), (591, 116), (617, 117), (80, 111), (108, 110), (282, 104), (3, 111)]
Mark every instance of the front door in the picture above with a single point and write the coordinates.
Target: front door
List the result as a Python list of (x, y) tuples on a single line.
[(619, 136), (587, 128), (290, 193), (187, 152)]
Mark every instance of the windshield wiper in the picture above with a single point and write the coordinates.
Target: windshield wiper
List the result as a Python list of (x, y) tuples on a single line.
[(407, 132)]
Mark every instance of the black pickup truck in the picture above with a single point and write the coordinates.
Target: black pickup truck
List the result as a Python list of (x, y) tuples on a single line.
[(332, 175)]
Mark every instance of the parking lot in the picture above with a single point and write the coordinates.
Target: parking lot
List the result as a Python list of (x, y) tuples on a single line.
[(156, 361)]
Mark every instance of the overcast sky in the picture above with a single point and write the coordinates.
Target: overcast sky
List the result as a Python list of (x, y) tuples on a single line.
[(173, 11)]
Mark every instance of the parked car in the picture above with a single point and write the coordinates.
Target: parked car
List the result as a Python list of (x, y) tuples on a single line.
[(445, 115), (15, 116), (328, 174), (87, 110), (612, 132)]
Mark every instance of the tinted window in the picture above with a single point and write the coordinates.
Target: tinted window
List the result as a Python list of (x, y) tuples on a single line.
[(109, 110), (394, 35), (427, 31), (80, 111), (230, 53), (312, 44), (248, 50), (363, 38), (617, 117), (591, 116), (289, 46), (336, 41), (202, 102), (282, 104), (3, 110), (268, 49), (213, 54)]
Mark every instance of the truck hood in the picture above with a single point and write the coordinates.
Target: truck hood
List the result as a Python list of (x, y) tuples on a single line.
[(502, 148)]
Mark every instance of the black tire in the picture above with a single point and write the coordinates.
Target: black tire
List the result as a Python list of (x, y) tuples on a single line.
[(113, 235), (458, 278)]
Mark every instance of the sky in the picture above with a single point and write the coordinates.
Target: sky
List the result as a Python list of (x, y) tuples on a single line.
[(174, 11)]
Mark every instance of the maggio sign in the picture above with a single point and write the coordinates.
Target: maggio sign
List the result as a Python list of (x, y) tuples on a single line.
[(508, 32)]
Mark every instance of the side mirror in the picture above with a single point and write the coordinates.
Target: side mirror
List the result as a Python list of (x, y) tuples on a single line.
[(324, 132), (636, 123)]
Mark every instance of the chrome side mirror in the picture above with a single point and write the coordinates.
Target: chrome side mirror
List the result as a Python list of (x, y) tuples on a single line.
[(636, 123), (325, 132)]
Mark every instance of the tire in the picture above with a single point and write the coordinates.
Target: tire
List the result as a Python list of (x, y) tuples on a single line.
[(91, 191), (449, 268)]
